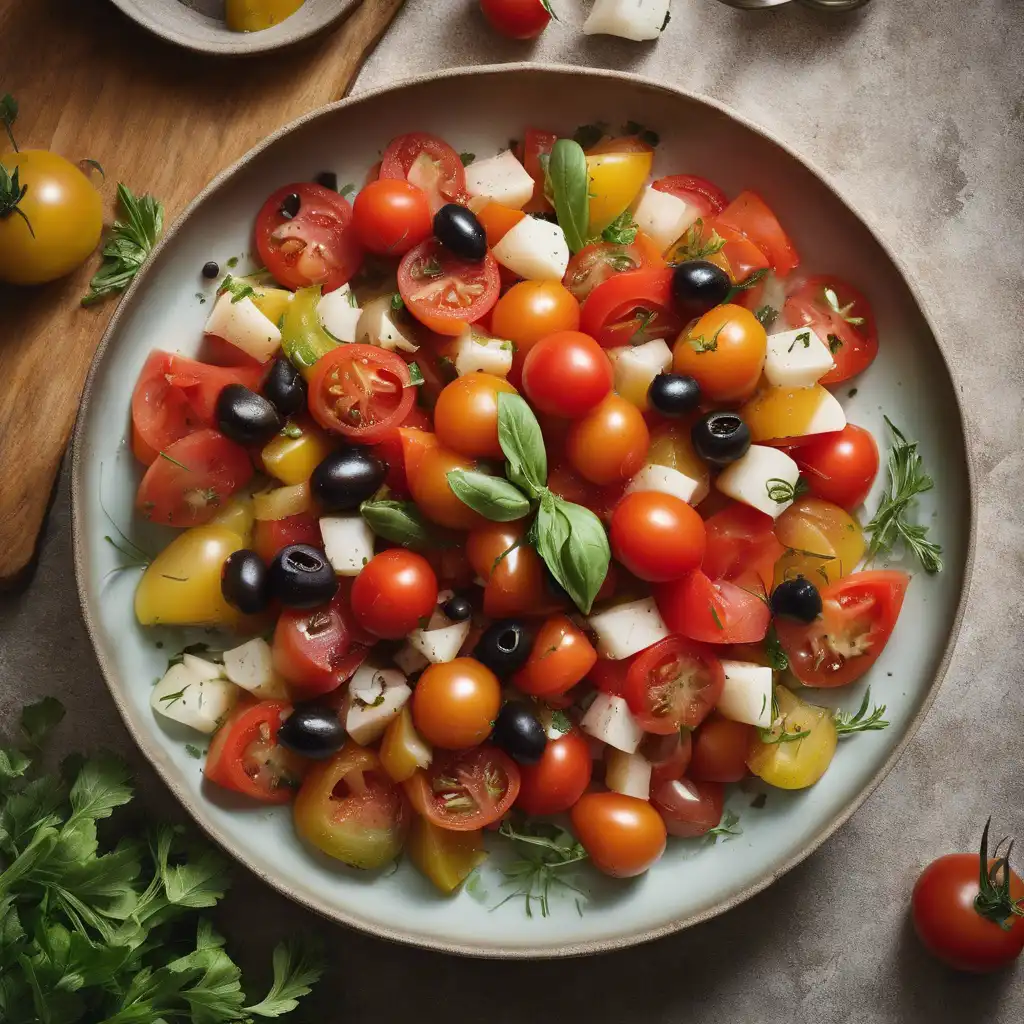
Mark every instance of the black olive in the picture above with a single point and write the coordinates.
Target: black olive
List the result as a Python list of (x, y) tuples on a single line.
[(290, 206), (672, 394), (301, 577), (698, 286), (328, 179), (457, 608), (285, 387), (797, 599), (458, 230), (245, 416), (312, 730), (720, 438), (346, 478), (210, 270), (243, 582), (504, 646), (518, 732)]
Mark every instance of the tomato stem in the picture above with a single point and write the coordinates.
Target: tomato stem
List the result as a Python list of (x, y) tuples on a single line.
[(993, 901)]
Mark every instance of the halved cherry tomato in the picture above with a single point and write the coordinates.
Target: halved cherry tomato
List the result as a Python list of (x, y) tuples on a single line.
[(559, 778), (689, 808), (749, 214), (361, 391), (561, 656), (823, 542), (596, 263), (446, 293), (608, 444), (393, 592), (466, 415), (517, 19), (623, 834), (734, 253), (537, 143), (673, 683), (566, 374), (631, 308), (846, 325), (245, 755), (657, 536), (427, 465), (840, 467), (390, 216), (720, 750), (714, 613), (439, 173), (270, 535), (724, 352), (192, 478), (742, 547), (707, 197), (454, 704), (857, 619), (497, 221), (512, 571), (668, 755), (463, 790), (315, 245)]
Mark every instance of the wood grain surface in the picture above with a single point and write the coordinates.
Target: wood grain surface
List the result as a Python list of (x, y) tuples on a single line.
[(163, 120)]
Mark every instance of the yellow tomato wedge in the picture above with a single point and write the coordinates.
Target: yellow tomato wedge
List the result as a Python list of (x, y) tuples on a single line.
[(282, 502), (403, 750), (824, 542), (671, 446), (293, 459), (777, 413), (447, 858), (255, 15), (787, 759), (615, 181), (237, 515)]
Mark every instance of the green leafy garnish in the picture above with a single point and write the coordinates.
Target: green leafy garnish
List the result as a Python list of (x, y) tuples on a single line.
[(780, 490), (728, 828), (622, 230), (832, 301), (746, 283), (8, 115), (467, 158), (239, 289), (291, 429), (804, 338), (397, 302), (494, 498), (560, 721), (835, 343), (546, 4), (547, 851), (415, 375), (848, 722), (776, 656), (570, 184), (766, 315), (398, 521), (693, 247)]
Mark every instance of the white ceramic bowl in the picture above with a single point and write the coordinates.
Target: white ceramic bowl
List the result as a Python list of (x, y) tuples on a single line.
[(479, 110)]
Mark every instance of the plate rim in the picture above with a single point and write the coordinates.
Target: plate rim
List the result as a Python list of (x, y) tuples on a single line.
[(570, 949)]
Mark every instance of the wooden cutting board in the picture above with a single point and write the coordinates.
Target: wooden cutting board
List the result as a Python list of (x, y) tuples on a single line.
[(163, 120)]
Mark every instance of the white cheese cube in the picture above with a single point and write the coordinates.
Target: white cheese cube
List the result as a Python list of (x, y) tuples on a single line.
[(501, 178), (628, 628), (438, 619), (747, 695), (663, 216), (369, 681), (440, 645), (609, 719), (409, 660), (638, 20), (203, 669), (366, 722), (629, 774), (635, 368), (476, 352), (796, 359), (348, 543), (244, 326), (251, 666), (201, 704), (764, 478), (669, 481), (535, 250), (377, 327), (339, 314)]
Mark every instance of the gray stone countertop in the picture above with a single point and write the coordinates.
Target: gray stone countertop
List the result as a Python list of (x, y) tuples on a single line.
[(915, 108)]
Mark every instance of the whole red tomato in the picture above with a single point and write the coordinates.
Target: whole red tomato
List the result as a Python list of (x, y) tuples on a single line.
[(517, 19)]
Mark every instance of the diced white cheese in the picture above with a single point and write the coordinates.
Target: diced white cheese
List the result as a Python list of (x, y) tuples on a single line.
[(203, 669), (440, 645), (764, 478), (244, 326), (747, 695), (348, 543), (664, 217), (828, 417), (201, 704), (409, 660), (610, 720), (438, 619), (535, 250), (638, 20), (636, 367), (369, 681), (501, 178), (628, 628), (553, 728), (796, 359), (339, 314), (669, 481), (476, 352), (251, 666), (629, 774), (366, 722), (377, 327)]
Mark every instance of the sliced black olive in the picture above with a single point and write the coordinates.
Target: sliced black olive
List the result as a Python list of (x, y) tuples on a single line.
[(796, 599), (328, 179), (290, 205), (346, 478), (243, 582), (245, 416), (312, 730), (672, 394), (210, 270), (457, 608), (301, 577), (504, 646), (698, 286), (458, 230), (285, 387), (720, 438), (519, 733)]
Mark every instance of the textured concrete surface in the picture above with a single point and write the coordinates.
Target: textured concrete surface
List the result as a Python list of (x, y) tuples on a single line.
[(916, 108)]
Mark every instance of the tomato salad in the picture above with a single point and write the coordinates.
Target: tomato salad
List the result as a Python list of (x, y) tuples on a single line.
[(524, 477)]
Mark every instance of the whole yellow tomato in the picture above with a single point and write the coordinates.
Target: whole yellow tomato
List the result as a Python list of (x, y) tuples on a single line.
[(254, 15)]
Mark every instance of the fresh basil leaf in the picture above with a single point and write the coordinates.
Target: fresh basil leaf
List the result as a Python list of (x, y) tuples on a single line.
[(523, 444), (570, 187), (399, 522), (573, 543), (494, 498)]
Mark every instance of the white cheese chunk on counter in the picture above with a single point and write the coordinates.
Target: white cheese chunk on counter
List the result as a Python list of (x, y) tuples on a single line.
[(251, 666), (339, 314), (535, 250), (667, 480), (796, 359), (747, 694), (638, 20), (476, 352), (664, 217), (629, 774), (201, 704), (609, 719), (764, 478), (501, 178), (242, 324), (348, 543), (635, 367), (628, 628)]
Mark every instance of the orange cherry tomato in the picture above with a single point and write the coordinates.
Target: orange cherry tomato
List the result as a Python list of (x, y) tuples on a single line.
[(531, 310), (454, 704), (657, 536), (427, 465), (623, 835), (720, 749), (610, 443), (561, 656), (513, 572), (724, 352), (466, 415)]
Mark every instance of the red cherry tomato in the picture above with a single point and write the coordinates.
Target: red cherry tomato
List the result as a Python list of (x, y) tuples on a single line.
[(394, 591), (840, 467), (537, 143), (430, 164), (270, 535), (610, 676), (749, 214), (689, 808), (561, 656), (517, 19), (390, 216), (657, 536), (741, 547), (559, 778), (708, 198), (720, 748), (596, 263), (631, 308), (566, 374), (714, 613), (623, 835), (669, 756), (512, 570), (316, 245)]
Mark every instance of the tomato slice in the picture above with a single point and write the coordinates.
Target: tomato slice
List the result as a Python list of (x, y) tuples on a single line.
[(674, 683), (689, 808), (537, 143), (631, 308), (428, 162), (712, 612), (246, 757), (857, 619), (596, 263), (192, 478), (444, 292), (315, 246), (699, 192), (742, 547), (847, 325), (270, 535), (465, 789), (201, 383), (361, 391), (751, 216)]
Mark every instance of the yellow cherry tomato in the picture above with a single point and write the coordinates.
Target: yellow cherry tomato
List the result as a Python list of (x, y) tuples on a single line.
[(293, 459), (774, 414), (237, 515), (724, 352), (447, 858), (60, 219), (255, 15), (800, 762), (616, 177), (824, 542), (671, 446)]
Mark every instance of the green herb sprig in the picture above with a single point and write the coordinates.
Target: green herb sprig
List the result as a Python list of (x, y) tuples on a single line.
[(848, 722), (547, 851)]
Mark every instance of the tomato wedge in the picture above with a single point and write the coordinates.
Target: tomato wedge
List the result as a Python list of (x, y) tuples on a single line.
[(858, 615), (631, 308), (750, 215), (699, 192), (537, 143), (270, 535), (596, 263), (429, 163), (741, 547), (361, 391), (712, 612)]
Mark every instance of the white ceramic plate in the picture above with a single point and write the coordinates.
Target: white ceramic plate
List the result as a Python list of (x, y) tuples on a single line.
[(479, 110)]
